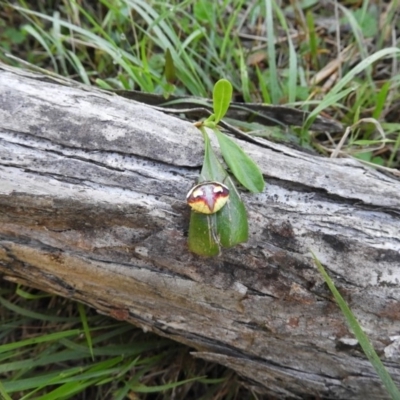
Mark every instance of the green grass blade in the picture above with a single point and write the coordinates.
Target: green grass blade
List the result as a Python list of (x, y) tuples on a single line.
[(275, 90), (363, 65), (228, 30), (380, 100), (31, 314), (312, 39), (31, 296), (76, 62), (34, 32), (67, 390), (292, 77), (40, 339), (359, 37), (244, 78), (328, 101), (360, 335), (39, 381), (86, 329), (140, 388), (3, 393), (263, 86), (396, 148), (103, 84)]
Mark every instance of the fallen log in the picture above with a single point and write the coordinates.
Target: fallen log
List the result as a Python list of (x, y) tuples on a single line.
[(92, 207)]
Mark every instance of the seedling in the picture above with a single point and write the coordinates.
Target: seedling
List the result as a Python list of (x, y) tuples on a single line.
[(218, 215)]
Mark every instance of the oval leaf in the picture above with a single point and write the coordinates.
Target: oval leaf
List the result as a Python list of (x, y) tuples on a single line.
[(232, 224), (212, 169), (202, 235), (222, 96), (242, 166)]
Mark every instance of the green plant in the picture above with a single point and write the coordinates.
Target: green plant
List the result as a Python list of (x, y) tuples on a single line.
[(45, 354), (228, 226)]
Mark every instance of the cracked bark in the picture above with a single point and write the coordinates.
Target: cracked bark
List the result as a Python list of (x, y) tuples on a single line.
[(92, 208)]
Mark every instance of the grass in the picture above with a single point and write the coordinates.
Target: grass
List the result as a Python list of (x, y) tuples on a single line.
[(361, 337), (339, 61), (52, 348)]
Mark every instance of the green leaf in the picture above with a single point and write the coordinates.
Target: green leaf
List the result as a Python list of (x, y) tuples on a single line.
[(141, 388), (86, 329), (169, 70), (362, 338), (212, 169), (3, 393), (242, 166), (380, 100), (222, 96), (364, 142), (168, 89), (202, 235), (103, 84), (232, 224)]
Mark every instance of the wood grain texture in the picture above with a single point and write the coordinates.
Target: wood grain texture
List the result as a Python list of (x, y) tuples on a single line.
[(92, 207)]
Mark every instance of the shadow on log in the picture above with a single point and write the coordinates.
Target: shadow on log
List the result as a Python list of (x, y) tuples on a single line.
[(92, 207)]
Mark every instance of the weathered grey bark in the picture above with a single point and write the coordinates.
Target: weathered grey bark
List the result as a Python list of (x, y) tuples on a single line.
[(92, 190)]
